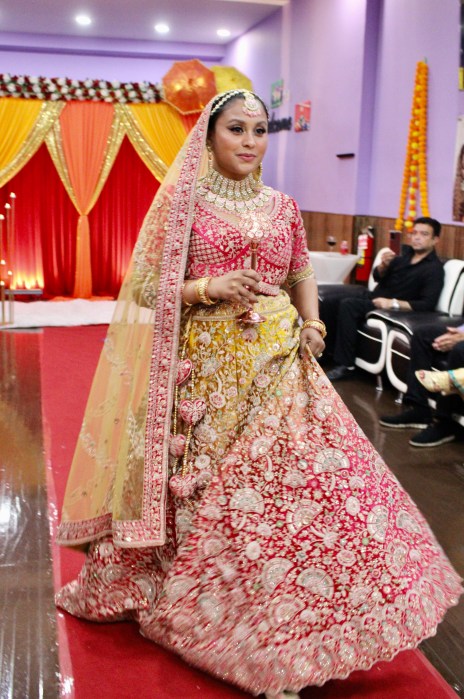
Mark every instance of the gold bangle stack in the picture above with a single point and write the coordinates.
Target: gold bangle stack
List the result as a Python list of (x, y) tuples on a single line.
[(201, 288), (186, 303), (317, 324)]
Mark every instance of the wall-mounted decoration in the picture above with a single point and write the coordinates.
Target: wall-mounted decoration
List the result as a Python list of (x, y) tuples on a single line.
[(302, 116), (414, 190), (277, 94), (275, 125)]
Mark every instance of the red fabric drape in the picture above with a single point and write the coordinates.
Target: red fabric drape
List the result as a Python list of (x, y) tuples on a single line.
[(85, 136), (46, 223), (117, 217)]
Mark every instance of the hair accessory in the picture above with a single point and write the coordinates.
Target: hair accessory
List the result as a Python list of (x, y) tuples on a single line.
[(223, 98), (251, 106), (317, 324)]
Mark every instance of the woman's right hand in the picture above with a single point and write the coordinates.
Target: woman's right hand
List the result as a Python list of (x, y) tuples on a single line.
[(239, 286)]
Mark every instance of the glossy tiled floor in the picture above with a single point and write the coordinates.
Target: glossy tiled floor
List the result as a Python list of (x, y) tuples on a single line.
[(28, 646), (28, 649)]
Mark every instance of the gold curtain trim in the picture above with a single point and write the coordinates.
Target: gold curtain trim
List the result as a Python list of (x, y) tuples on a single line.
[(47, 117), (55, 147), (153, 162)]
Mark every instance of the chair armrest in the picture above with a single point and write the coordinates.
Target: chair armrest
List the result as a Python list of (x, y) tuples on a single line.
[(408, 321)]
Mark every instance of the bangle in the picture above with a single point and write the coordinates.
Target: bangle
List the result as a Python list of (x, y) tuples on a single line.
[(317, 324), (186, 303), (201, 287)]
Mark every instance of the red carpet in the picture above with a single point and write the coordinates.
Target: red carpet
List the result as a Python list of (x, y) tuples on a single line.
[(112, 661)]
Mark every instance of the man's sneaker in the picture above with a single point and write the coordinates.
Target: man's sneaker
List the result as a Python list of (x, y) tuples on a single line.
[(416, 418), (435, 434)]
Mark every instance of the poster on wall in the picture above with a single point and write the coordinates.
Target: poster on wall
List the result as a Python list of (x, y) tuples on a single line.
[(277, 94), (302, 116), (458, 189)]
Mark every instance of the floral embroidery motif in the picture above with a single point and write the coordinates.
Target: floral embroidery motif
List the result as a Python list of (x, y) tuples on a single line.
[(301, 545)]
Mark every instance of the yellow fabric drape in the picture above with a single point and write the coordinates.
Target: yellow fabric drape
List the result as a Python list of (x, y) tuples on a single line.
[(83, 163), (24, 125), (157, 133)]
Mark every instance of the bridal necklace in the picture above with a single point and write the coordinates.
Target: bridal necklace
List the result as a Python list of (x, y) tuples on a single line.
[(236, 196)]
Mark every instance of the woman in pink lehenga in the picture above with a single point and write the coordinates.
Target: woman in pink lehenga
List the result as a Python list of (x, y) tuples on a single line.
[(231, 504)]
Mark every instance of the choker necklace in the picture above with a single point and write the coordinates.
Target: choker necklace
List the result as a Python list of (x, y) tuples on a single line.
[(236, 196)]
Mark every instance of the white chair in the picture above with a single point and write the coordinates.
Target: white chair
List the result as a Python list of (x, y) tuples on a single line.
[(401, 326), (372, 337)]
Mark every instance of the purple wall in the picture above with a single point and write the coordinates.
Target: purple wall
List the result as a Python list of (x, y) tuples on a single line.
[(321, 59), (258, 56), (412, 31), (354, 59), (356, 62), (108, 59)]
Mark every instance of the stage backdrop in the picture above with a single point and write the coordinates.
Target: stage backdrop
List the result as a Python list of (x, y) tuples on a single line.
[(80, 162)]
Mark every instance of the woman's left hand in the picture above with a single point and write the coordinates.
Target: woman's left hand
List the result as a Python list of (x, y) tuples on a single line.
[(311, 341)]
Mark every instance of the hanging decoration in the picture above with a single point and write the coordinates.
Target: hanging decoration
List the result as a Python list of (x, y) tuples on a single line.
[(229, 78), (189, 85), (32, 87), (414, 191)]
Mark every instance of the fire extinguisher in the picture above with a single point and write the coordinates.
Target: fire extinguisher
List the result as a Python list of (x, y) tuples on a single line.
[(366, 241)]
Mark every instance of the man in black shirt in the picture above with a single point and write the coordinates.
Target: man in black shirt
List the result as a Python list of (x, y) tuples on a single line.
[(412, 281)]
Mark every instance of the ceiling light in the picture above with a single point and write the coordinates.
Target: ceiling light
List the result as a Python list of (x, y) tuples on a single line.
[(83, 20), (162, 28), (223, 33)]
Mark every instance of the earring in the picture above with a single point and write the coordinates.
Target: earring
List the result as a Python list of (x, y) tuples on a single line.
[(210, 158), (258, 174)]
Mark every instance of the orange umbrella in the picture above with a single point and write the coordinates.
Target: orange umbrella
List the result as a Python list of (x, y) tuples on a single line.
[(189, 86)]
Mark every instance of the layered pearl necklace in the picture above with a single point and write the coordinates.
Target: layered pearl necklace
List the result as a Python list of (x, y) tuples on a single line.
[(236, 196)]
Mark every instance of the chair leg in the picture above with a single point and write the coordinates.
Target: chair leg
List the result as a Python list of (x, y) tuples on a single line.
[(379, 383), (399, 398)]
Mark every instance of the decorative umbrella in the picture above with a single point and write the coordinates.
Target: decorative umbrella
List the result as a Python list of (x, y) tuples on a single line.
[(189, 85), (229, 78)]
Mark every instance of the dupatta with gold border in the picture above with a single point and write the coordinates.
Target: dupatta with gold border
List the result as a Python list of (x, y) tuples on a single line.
[(118, 479)]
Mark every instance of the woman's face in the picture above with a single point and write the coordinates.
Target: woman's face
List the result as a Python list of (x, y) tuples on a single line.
[(239, 141)]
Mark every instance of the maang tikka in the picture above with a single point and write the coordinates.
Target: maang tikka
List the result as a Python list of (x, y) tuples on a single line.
[(251, 105)]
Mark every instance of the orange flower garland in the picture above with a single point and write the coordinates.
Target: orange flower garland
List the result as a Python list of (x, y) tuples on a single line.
[(414, 188)]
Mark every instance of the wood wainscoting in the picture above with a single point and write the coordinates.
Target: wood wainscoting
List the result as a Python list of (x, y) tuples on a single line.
[(319, 225)]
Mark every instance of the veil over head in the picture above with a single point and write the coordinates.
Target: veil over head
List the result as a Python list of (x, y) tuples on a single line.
[(119, 474)]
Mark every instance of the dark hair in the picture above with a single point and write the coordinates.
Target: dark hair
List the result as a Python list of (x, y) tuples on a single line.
[(234, 94), (432, 222)]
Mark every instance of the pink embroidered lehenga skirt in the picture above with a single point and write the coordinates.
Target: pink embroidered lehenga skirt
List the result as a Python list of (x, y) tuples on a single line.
[(303, 559)]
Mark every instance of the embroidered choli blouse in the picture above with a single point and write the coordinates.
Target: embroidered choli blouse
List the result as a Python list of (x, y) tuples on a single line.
[(218, 246)]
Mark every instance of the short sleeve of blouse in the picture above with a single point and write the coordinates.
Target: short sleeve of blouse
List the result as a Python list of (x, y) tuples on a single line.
[(300, 265)]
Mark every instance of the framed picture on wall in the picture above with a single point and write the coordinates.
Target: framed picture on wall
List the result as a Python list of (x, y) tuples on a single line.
[(277, 94), (302, 116)]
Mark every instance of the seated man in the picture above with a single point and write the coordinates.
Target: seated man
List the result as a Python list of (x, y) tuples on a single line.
[(412, 281), (430, 345)]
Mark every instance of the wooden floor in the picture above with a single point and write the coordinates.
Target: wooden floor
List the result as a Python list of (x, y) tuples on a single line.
[(28, 642)]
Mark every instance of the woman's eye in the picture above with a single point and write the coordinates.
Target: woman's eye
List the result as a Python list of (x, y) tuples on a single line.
[(236, 129), (261, 131)]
